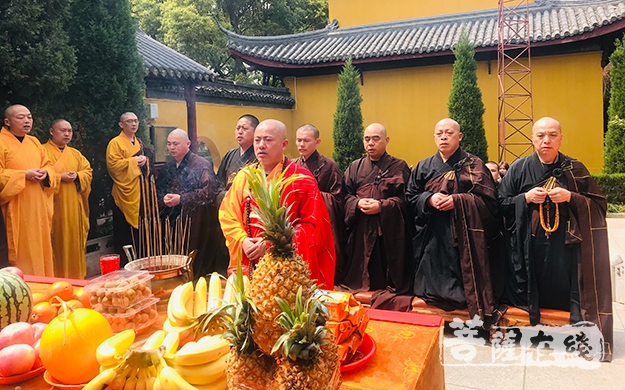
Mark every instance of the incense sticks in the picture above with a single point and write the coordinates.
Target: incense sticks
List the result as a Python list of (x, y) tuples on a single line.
[(175, 234)]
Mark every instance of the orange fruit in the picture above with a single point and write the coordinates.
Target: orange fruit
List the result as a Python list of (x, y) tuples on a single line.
[(38, 297), (61, 289), (84, 297), (69, 342), (43, 312), (73, 303)]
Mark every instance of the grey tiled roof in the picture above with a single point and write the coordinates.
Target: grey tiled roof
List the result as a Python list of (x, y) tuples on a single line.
[(248, 92), (551, 21), (162, 61), (223, 91)]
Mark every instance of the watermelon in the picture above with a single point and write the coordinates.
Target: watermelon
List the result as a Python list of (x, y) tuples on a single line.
[(16, 303)]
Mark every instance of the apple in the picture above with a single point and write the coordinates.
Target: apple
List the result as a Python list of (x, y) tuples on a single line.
[(38, 327), (38, 362), (17, 333), (14, 270), (16, 359)]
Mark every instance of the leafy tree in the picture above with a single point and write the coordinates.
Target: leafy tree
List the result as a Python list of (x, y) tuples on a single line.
[(348, 128), (36, 61), (614, 151), (148, 13), (189, 26), (109, 82), (465, 103)]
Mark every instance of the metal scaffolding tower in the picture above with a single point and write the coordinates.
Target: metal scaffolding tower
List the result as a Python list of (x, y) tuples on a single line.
[(515, 112)]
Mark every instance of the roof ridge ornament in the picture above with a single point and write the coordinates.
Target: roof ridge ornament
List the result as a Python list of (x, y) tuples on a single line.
[(333, 25)]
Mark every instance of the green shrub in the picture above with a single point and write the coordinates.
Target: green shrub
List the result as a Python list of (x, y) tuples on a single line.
[(614, 151), (348, 127), (613, 156), (465, 103), (612, 186)]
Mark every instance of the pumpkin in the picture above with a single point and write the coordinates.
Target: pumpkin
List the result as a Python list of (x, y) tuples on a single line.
[(69, 342), (15, 299)]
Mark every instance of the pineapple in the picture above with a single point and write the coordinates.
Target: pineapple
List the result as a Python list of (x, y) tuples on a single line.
[(281, 271), (248, 368), (308, 349)]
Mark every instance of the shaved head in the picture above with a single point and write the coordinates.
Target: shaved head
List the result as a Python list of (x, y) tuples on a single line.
[(547, 122), (178, 144), (127, 115), (12, 109), (179, 134), (18, 120), (447, 137), (275, 127), (547, 138), (378, 128), (270, 142), (309, 127), (375, 141), (448, 123)]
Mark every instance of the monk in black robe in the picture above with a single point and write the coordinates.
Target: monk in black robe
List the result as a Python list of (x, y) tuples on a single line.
[(187, 187), (556, 230), (375, 217), (330, 181), (453, 199), (238, 158)]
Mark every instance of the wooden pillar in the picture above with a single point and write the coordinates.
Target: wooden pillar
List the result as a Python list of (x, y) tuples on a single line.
[(189, 97)]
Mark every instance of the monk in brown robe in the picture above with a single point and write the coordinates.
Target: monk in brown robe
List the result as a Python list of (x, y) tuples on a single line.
[(453, 199), (237, 158), (330, 180), (187, 187), (27, 181), (376, 220), (557, 260)]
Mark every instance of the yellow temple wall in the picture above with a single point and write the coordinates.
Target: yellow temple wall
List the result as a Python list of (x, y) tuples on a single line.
[(359, 12), (410, 101)]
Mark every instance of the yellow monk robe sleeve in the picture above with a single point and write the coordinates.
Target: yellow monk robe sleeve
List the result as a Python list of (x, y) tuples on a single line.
[(54, 154), (120, 167), (232, 218), (85, 175), (12, 181), (51, 182)]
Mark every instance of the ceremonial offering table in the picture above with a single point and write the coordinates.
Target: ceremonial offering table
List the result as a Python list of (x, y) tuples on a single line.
[(408, 354)]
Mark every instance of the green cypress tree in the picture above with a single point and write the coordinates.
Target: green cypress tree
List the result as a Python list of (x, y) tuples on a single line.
[(465, 103), (614, 150), (109, 82), (348, 128), (37, 63)]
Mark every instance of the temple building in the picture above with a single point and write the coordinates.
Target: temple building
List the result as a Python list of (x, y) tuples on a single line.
[(403, 50)]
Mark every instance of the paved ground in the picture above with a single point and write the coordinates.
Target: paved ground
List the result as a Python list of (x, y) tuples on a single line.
[(515, 374)]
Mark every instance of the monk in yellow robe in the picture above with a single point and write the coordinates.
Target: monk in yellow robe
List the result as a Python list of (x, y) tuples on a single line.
[(124, 159), (70, 223), (26, 194)]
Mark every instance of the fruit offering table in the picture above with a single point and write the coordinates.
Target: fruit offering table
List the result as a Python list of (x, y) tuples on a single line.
[(408, 351)]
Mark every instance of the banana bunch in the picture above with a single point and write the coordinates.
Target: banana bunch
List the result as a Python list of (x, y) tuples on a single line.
[(201, 363), (188, 306), (137, 370), (112, 350)]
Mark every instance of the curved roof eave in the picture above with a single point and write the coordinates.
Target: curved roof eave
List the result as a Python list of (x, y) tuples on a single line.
[(552, 22)]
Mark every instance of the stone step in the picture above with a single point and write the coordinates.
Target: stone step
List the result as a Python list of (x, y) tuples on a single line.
[(513, 317)]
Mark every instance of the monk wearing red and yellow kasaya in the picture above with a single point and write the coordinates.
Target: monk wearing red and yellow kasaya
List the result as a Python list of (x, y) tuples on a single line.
[(313, 238), (26, 188)]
